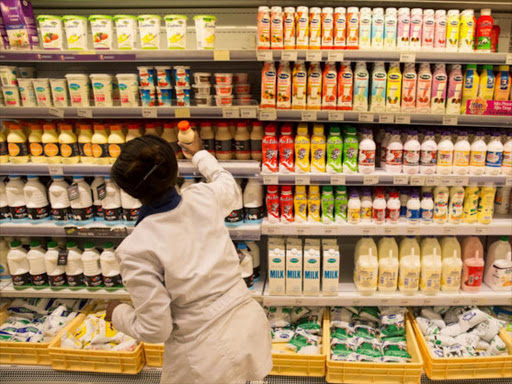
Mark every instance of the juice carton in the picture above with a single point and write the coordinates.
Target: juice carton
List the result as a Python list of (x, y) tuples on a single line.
[(268, 85), (452, 30), (409, 83), (365, 28), (378, 28), (284, 86), (404, 26), (427, 36), (340, 28), (263, 28), (276, 28), (424, 89), (467, 31), (329, 86), (327, 27), (345, 87), (454, 96), (276, 266), (20, 24), (312, 267), (289, 28), (293, 266), (299, 86), (394, 87), (440, 80), (361, 85), (331, 267), (315, 28), (314, 86), (378, 93), (352, 28), (302, 28)]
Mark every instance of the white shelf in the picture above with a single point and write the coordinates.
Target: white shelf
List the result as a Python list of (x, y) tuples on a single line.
[(348, 295), (100, 230), (499, 226), (238, 168)]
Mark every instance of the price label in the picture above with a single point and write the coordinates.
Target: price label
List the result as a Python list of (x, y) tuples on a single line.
[(248, 112), (385, 118), (404, 302), (182, 113), (302, 230), (428, 302), (302, 180), (149, 113), (412, 231), (230, 113), (365, 117), (448, 230), (313, 56), (474, 301), (57, 112), (401, 180), (299, 302), (268, 114), (388, 231), (264, 55), (370, 180), (308, 116), (431, 180), (335, 56), (481, 231), (221, 55), (338, 180), (456, 302), (461, 181), (55, 170), (335, 116), (407, 57), (84, 112), (403, 119), (329, 231), (450, 120), (269, 230), (445, 181), (270, 179), (289, 56), (508, 182), (366, 231), (417, 180), (508, 59)]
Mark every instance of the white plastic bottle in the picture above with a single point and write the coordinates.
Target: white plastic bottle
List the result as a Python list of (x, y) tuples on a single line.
[(81, 201), (445, 155), (253, 202), (428, 154), (56, 273), (498, 266), (35, 257), (366, 266), (38, 207), (413, 209), (410, 265), (367, 149), (456, 207), (112, 211), (366, 206), (59, 200), (97, 188), (461, 151), (5, 276), (394, 153), (431, 266), (379, 209), (393, 208), (441, 199), (110, 269), (477, 157), (18, 264), (412, 149), (92, 268), (74, 265), (354, 209), (131, 208), (494, 156), (506, 165), (5, 215), (427, 208), (502, 201), (16, 198), (388, 264), (452, 264)]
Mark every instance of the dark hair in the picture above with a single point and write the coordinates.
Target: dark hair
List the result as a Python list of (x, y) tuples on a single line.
[(146, 168)]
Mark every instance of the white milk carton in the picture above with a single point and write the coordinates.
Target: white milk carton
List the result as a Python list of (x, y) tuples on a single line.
[(293, 266), (330, 267), (276, 265), (312, 267)]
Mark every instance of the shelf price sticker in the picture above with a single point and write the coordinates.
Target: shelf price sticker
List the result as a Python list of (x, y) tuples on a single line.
[(365, 117), (268, 230), (403, 119), (481, 231), (386, 118), (335, 56), (314, 56), (508, 182), (181, 113), (388, 231), (308, 116), (149, 113), (371, 180), (57, 112), (264, 55), (289, 56), (450, 120), (302, 230), (400, 180), (431, 180), (447, 230), (86, 113), (417, 180), (338, 180), (412, 231), (445, 181), (335, 116), (508, 59), (329, 230), (461, 181), (221, 55), (302, 180), (366, 231), (268, 114), (55, 170), (407, 57), (230, 113), (270, 179), (248, 112)]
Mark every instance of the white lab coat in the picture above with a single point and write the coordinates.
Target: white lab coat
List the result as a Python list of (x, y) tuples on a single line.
[(182, 272)]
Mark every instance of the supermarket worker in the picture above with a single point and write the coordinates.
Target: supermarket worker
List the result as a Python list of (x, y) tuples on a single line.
[(182, 271)]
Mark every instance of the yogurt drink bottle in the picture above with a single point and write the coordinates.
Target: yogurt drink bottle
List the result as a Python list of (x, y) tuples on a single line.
[(345, 87), (477, 156), (494, 155), (286, 204), (440, 30), (301, 204), (314, 204), (289, 28), (366, 270), (276, 28), (314, 88), (367, 147), (378, 25), (484, 27), (361, 86), (470, 86), (299, 85), (270, 150), (365, 28), (352, 28), (439, 87), (467, 31), (473, 264), (427, 208), (350, 151), (456, 207), (413, 209), (366, 206), (340, 204), (452, 30), (393, 208), (403, 31), (452, 264), (327, 28), (445, 155), (410, 265), (431, 266), (498, 265), (315, 28), (409, 87), (340, 28), (263, 27), (379, 209), (461, 153), (273, 203), (334, 151), (390, 29), (428, 154), (318, 147), (428, 29), (329, 86), (286, 149), (388, 264), (411, 157), (56, 273), (394, 87), (354, 209), (394, 153), (268, 85), (424, 89), (378, 90), (35, 257), (302, 149), (327, 205)]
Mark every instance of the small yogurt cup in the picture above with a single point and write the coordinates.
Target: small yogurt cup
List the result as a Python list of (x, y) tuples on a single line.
[(224, 78), (148, 96), (241, 78), (102, 90), (202, 77), (147, 76), (126, 30), (182, 96), (59, 89), (224, 101), (176, 27), (149, 29), (43, 94), (242, 89), (27, 72), (182, 76), (128, 84), (11, 96), (164, 95), (224, 90), (205, 31), (76, 31), (243, 100), (163, 76), (201, 89), (203, 101), (102, 31), (8, 75), (79, 90), (27, 93), (52, 31)]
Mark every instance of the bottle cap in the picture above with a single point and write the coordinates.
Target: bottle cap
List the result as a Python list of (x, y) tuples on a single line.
[(133, 126), (183, 125), (70, 244), (53, 244), (272, 189), (327, 189), (89, 245), (341, 189), (108, 245), (15, 244), (115, 127), (241, 246), (502, 238), (66, 127), (46, 127), (286, 188), (485, 12)]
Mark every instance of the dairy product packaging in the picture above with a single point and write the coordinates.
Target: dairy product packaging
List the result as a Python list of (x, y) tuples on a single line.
[(312, 267), (294, 266), (20, 24), (276, 266), (331, 267)]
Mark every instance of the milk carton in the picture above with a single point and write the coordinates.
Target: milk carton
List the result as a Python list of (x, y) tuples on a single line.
[(312, 267), (276, 266), (331, 267), (293, 266)]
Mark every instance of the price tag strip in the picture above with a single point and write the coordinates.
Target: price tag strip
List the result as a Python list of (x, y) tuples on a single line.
[(338, 180), (149, 113), (313, 56), (182, 113), (268, 114), (84, 112), (335, 116), (386, 118), (289, 56), (230, 113), (308, 116), (264, 55), (57, 112), (270, 179), (248, 112)]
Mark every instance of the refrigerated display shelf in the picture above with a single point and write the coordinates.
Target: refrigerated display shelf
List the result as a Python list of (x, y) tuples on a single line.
[(238, 168), (348, 296), (97, 230)]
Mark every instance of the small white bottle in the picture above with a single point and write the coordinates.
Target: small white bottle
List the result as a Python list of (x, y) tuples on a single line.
[(74, 266), (253, 202), (81, 201), (394, 153), (92, 268), (445, 155), (412, 149), (110, 267), (393, 208), (59, 200), (18, 264), (506, 165), (494, 156), (35, 257), (477, 157), (427, 208), (354, 209), (56, 273), (461, 151), (366, 206), (367, 150), (379, 209), (413, 209), (428, 154)]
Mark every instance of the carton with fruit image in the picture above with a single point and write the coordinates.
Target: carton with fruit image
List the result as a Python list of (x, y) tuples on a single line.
[(19, 24), (51, 31), (149, 28), (126, 29), (76, 32), (102, 31), (176, 27)]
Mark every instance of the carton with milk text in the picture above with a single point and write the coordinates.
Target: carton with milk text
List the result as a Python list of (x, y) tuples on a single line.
[(312, 267), (330, 267), (276, 266), (293, 266)]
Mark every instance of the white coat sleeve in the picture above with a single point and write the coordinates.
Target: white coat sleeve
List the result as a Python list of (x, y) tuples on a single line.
[(225, 190), (150, 318)]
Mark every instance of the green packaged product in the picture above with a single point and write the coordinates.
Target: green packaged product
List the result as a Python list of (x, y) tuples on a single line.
[(350, 150), (327, 205), (334, 150)]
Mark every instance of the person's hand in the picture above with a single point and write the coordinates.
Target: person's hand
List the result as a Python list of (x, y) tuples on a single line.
[(194, 147), (112, 304)]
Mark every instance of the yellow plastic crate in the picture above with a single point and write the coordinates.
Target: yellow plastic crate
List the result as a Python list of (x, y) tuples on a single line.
[(293, 364), (381, 373), (95, 361), (154, 354), (487, 367), (12, 352)]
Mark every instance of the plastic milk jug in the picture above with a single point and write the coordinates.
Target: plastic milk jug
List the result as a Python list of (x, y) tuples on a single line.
[(452, 264), (110, 269), (431, 265), (18, 264), (56, 273), (74, 265), (473, 264), (59, 201), (410, 265), (498, 266), (38, 207), (366, 270), (388, 264), (35, 257)]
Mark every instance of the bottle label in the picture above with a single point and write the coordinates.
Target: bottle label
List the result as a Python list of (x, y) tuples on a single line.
[(394, 156), (256, 146), (85, 149), (477, 159), (461, 158), (379, 215), (441, 211), (39, 280), (411, 158), (76, 280), (393, 215), (57, 280), (208, 145), (236, 216), (82, 214), (224, 147), (243, 146), (354, 215), (101, 190), (17, 149), (19, 280), (366, 277), (501, 277), (287, 209), (493, 159), (3, 148), (388, 277), (114, 150), (507, 159), (113, 281), (409, 279), (100, 150), (254, 213), (367, 157), (69, 150), (36, 149), (445, 158), (314, 211), (4, 213), (112, 214), (427, 214), (93, 281), (62, 259), (301, 214), (73, 192), (51, 149), (98, 211), (475, 275), (130, 214), (413, 214), (18, 212), (451, 279), (39, 213), (366, 213), (432, 282), (428, 158)]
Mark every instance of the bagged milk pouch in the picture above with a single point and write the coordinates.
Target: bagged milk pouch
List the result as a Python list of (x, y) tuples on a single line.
[(20, 24)]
